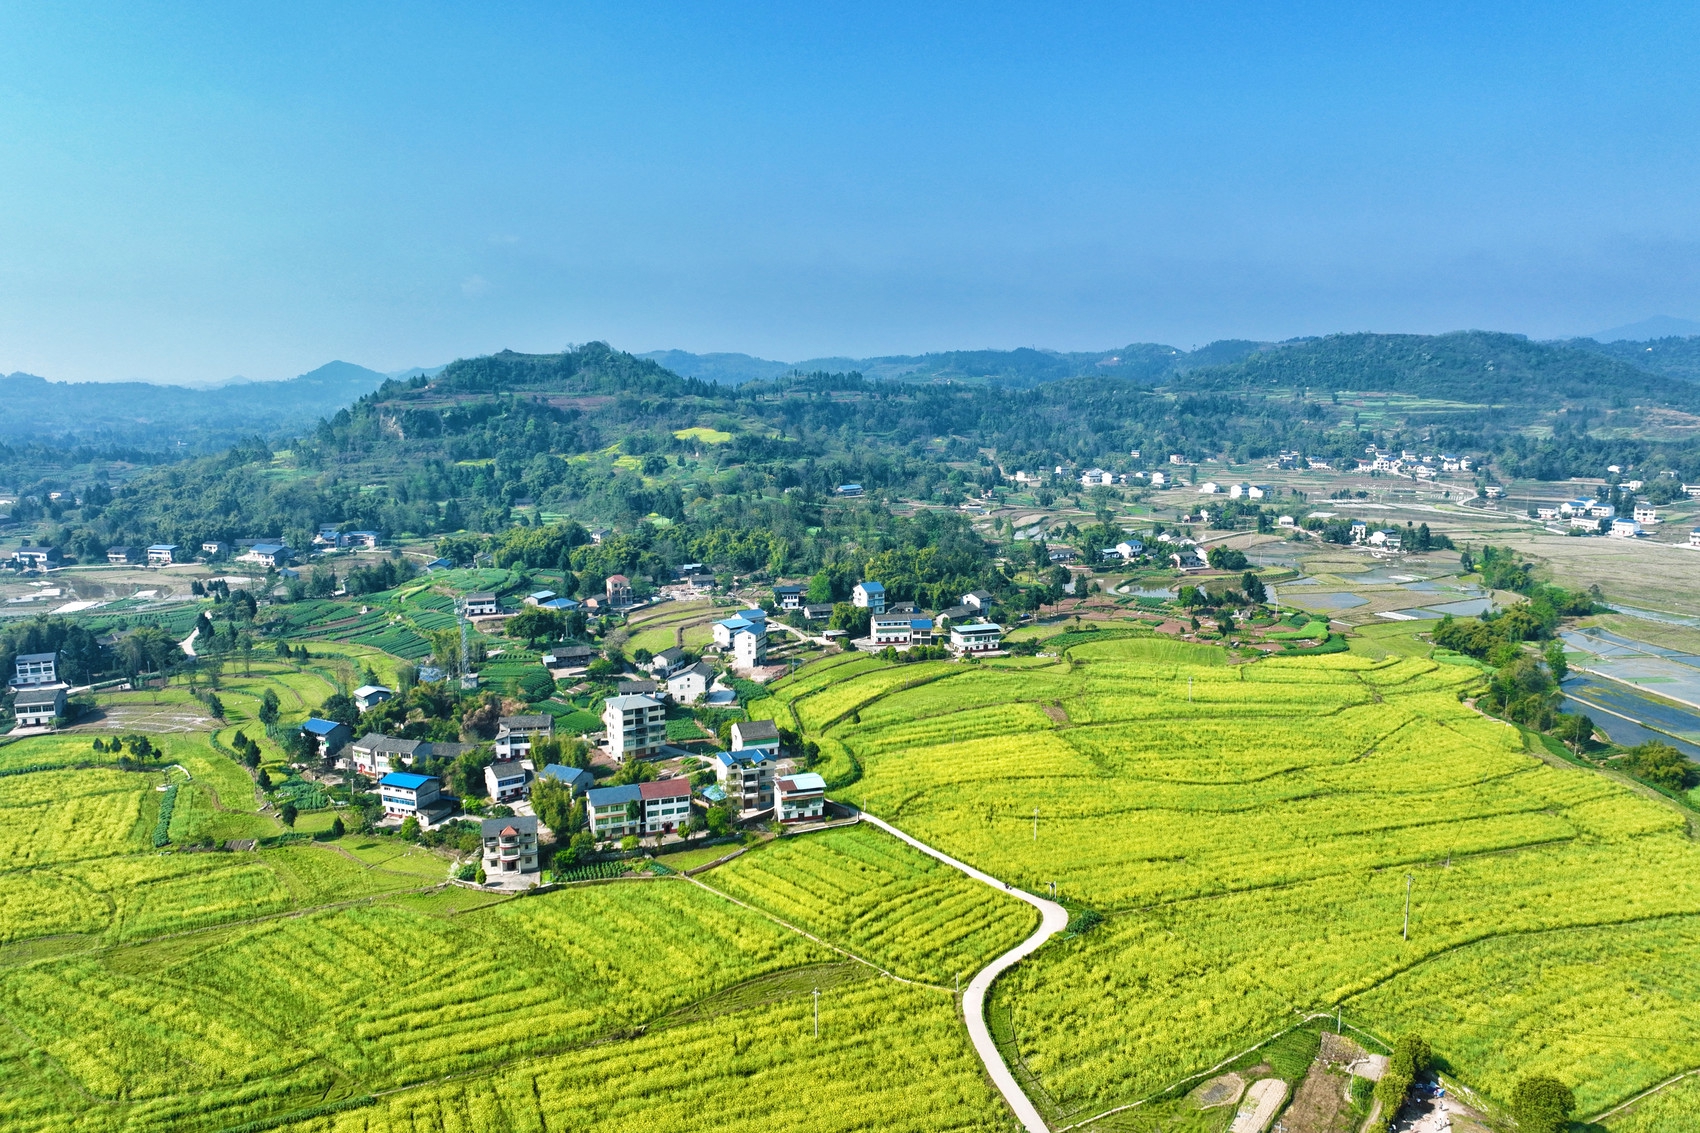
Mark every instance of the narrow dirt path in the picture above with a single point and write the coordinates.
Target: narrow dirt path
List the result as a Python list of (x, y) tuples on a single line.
[(1055, 919)]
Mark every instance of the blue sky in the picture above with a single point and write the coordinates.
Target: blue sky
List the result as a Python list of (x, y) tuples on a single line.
[(197, 192)]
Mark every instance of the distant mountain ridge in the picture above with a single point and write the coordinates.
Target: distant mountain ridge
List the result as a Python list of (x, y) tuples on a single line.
[(148, 416), (1023, 367)]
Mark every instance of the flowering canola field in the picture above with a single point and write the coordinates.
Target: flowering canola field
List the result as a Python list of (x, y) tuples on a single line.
[(1246, 832)]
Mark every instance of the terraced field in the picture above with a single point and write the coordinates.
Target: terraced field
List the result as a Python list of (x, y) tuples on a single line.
[(1245, 832), (147, 991)]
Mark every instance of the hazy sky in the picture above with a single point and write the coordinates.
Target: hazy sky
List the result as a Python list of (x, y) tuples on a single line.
[(192, 193)]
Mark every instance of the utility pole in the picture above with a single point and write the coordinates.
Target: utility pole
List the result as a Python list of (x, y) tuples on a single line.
[(817, 1009), (1407, 906)]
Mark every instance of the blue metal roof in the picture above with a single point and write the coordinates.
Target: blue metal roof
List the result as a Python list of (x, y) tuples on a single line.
[(871, 587), (571, 776), (743, 755), (406, 780), (736, 623), (320, 727), (613, 796)]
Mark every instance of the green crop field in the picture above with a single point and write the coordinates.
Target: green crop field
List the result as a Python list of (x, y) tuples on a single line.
[(866, 891), (1245, 831)]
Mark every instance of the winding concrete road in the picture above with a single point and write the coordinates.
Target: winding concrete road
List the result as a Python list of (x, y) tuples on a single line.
[(974, 999)]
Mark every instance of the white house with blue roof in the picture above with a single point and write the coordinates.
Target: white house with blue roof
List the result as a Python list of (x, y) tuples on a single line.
[(869, 596), (729, 628), (746, 776), (406, 794), (326, 736)]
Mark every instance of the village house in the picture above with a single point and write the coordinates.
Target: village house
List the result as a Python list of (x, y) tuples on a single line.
[(746, 776), (366, 697), (266, 554), (38, 707), (868, 596), (376, 754), (326, 736), (799, 797), (619, 591), (537, 598), (954, 614), (638, 688), (788, 597), (578, 779), (1159, 479), (889, 629), (215, 548), (36, 558), (565, 661), (33, 670), (727, 629), (614, 812), (1187, 559), (978, 600), (514, 734), (162, 554), (666, 805), (666, 661), (1096, 477), (1646, 514), (505, 780), (690, 684), (407, 795), (749, 649), (850, 490), (122, 556), (976, 637), (818, 612), (360, 540), (1624, 529), (756, 735), (636, 726), (510, 845), (479, 604)]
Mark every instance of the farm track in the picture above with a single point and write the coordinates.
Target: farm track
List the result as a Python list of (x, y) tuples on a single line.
[(1054, 919)]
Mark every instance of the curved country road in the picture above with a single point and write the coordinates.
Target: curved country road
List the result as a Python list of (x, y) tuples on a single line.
[(974, 1000)]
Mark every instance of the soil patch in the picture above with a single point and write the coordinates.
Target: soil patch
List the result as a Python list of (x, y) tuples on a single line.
[(1321, 1104), (1225, 1089), (1056, 714), (153, 718)]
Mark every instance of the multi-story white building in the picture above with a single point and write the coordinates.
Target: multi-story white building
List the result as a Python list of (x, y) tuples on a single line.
[(376, 754), (756, 735), (869, 596), (506, 779), (1646, 514), (799, 798), (510, 845), (657, 807), (976, 637), (516, 734), (408, 795), (746, 777), (636, 726), (690, 684), (38, 707), (33, 670), (749, 649)]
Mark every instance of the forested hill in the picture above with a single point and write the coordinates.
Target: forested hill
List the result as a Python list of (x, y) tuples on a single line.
[(1677, 357), (1475, 367), (142, 415)]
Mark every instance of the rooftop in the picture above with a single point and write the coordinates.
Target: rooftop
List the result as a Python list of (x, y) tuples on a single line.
[(368, 690), (631, 702), (37, 657), (757, 730), (516, 823), (664, 788), (743, 755), (517, 723), (807, 781), (613, 796), (871, 587), (571, 776), (406, 780), (320, 727)]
